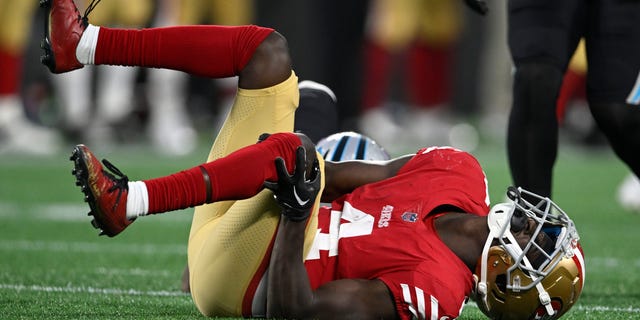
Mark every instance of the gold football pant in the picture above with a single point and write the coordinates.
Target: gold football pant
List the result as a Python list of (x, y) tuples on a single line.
[(229, 244), (15, 24), (120, 13), (221, 12)]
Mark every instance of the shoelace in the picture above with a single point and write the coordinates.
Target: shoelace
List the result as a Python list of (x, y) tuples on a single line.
[(92, 5), (121, 181)]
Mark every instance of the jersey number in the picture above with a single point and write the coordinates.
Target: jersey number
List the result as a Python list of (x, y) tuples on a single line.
[(359, 224)]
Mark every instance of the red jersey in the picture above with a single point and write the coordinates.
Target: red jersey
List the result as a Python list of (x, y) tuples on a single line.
[(385, 231)]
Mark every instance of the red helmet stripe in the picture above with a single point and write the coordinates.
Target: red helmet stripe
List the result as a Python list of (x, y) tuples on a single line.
[(578, 258)]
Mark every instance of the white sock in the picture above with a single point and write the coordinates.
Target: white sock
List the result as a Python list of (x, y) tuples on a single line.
[(137, 200), (86, 50)]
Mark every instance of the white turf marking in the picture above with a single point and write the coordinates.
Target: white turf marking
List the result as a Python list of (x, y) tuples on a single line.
[(8, 210), (605, 264), (70, 212), (91, 247), (586, 308), (134, 272), (163, 293), (91, 290), (607, 309), (63, 212)]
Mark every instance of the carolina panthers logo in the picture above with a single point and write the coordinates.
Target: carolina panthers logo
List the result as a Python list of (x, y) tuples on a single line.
[(410, 217)]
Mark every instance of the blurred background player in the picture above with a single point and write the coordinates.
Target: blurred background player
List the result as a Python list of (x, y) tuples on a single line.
[(100, 115), (543, 36), (409, 58), (170, 127), (574, 115), (20, 130)]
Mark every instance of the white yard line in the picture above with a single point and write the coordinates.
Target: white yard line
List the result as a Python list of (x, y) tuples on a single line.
[(90, 290), (134, 272), (92, 247), (588, 308), (163, 293), (607, 309), (607, 263), (70, 212)]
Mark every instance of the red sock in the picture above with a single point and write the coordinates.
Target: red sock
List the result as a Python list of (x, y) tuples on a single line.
[(207, 50), (239, 175), (378, 63), (428, 71), (11, 67)]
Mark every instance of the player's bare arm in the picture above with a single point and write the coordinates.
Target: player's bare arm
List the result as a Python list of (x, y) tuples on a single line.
[(343, 177), (290, 294), (289, 291)]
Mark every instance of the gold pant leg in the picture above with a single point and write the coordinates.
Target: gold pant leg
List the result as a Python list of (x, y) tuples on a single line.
[(230, 239)]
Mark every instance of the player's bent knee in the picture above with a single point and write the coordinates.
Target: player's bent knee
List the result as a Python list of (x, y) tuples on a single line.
[(540, 76), (535, 89), (270, 64)]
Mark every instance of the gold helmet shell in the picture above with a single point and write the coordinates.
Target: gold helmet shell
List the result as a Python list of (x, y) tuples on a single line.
[(511, 283), (563, 283)]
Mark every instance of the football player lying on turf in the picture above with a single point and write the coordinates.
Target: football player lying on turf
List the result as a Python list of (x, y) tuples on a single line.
[(411, 237), (340, 146)]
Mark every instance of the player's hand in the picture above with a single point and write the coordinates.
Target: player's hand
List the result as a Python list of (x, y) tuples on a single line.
[(296, 193), (479, 6)]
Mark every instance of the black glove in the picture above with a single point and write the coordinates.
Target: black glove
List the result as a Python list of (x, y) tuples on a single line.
[(479, 6), (294, 193)]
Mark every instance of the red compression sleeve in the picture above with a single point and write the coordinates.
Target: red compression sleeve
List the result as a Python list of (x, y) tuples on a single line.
[(239, 175), (206, 50)]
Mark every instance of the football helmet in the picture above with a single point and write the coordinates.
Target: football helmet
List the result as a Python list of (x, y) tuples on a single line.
[(537, 280), (350, 145)]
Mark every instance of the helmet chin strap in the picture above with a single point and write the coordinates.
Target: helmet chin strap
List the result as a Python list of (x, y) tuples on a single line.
[(515, 251), (499, 222)]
